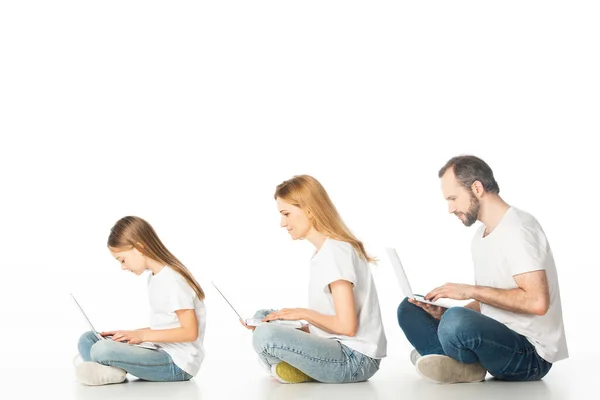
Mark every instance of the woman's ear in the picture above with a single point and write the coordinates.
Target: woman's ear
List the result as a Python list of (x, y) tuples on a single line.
[(309, 214), (311, 219)]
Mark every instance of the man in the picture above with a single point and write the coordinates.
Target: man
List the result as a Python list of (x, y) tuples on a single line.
[(514, 328)]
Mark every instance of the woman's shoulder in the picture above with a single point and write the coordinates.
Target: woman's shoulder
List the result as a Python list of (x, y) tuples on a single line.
[(336, 243), (341, 248)]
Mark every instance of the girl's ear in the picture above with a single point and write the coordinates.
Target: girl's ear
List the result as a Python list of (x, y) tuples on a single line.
[(139, 248)]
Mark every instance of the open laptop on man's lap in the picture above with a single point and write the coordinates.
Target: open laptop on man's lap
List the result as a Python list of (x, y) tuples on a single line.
[(405, 285)]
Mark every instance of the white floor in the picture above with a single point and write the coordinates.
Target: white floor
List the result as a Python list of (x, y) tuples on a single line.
[(38, 363), (245, 380)]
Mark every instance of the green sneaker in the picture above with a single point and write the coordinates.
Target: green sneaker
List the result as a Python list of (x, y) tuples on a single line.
[(285, 373)]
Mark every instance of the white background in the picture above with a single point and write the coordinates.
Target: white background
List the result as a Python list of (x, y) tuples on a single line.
[(189, 115)]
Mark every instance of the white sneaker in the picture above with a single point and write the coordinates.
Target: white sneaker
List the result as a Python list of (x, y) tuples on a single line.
[(414, 356), (94, 374), (77, 360), (443, 369)]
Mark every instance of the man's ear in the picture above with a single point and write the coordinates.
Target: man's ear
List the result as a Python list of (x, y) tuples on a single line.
[(477, 189)]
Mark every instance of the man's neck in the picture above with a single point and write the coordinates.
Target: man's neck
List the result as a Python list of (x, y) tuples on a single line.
[(492, 211)]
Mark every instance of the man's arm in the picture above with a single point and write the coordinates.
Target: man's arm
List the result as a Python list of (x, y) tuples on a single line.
[(531, 297)]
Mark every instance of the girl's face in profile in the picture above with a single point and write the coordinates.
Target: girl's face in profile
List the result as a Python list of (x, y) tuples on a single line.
[(131, 260)]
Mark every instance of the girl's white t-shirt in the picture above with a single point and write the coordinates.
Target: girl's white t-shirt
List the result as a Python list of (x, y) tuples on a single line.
[(337, 260), (168, 292)]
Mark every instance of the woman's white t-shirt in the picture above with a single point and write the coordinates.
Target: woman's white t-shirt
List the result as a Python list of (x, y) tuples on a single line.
[(337, 260), (168, 292)]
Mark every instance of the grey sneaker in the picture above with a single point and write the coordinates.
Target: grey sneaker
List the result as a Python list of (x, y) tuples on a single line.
[(443, 369), (414, 356)]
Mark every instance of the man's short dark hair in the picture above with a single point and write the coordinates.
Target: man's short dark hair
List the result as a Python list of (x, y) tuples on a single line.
[(469, 169)]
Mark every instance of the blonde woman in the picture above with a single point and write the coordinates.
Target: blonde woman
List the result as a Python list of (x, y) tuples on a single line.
[(177, 316), (344, 340)]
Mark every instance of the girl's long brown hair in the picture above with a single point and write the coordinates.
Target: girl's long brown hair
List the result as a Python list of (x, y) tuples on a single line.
[(130, 232), (307, 193)]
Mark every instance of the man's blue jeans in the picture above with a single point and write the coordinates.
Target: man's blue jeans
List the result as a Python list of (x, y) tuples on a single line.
[(468, 336)]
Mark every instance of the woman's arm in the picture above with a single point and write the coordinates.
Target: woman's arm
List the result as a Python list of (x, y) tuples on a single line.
[(344, 322)]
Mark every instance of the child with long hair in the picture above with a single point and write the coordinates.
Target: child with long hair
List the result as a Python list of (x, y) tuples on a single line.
[(177, 316)]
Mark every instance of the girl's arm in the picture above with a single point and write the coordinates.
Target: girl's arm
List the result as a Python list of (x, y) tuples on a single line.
[(187, 332), (110, 333)]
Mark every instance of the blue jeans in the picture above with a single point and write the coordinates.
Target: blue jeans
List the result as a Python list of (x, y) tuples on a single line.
[(324, 360), (469, 337), (146, 364)]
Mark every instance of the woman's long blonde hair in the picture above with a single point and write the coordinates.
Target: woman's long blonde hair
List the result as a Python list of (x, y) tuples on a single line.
[(308, 194), (134, 232)]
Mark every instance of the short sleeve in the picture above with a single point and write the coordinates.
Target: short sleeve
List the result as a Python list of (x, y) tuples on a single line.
[(526, 251), (338, 264), (178, 294)]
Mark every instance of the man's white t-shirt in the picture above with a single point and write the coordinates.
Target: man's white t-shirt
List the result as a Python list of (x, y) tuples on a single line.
[(168, 292), (518, 245), (337, 260)]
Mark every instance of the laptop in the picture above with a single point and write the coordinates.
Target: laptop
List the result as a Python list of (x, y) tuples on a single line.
[(258, 321), (146, 345), (403, 280)]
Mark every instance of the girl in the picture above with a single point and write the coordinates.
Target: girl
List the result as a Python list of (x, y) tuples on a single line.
[(344, 340), (177, 316)]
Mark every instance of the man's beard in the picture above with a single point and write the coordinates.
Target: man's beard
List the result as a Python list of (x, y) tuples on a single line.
[(473, 212)]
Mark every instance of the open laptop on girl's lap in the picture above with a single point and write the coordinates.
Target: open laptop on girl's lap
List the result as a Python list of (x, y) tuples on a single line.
[(146, 345)]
